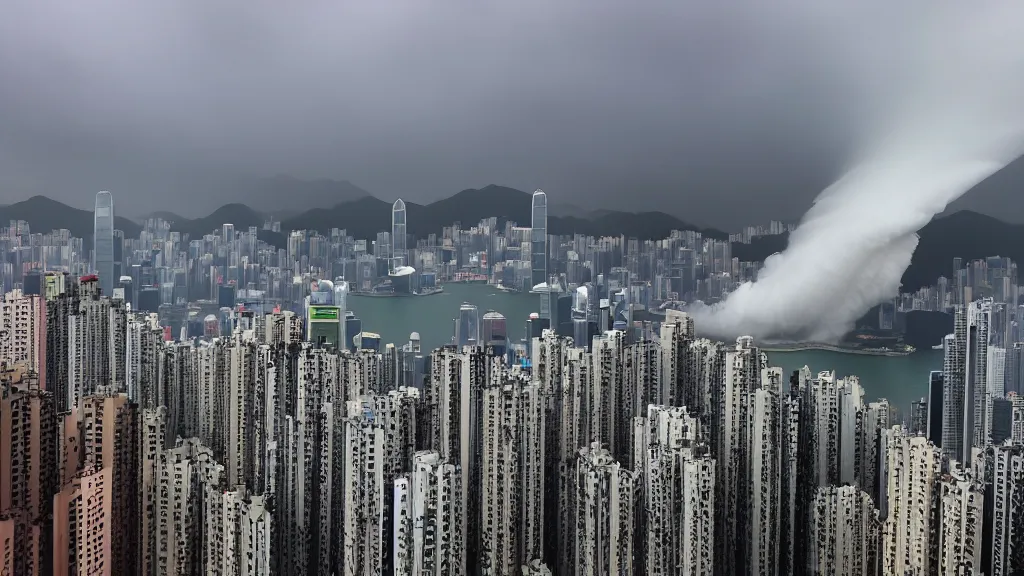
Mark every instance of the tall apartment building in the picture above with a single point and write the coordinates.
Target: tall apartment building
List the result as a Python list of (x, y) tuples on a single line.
[(959, 523), (23, 332), (362, 488), (845, 532), (1007, 511), (152, 438), (96, 344), (60, 313), (977, 394), (110, 443), (28, 466), (83, 527), (237, 535), (310, 451), (679, 492), (185, 476), (612, 417), (501, 488), (428, 519), (912, 467), (762, 534), (953, 395), (731, 427), (606, 504)]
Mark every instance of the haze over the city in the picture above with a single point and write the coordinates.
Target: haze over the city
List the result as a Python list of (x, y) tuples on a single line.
[(723, 114)]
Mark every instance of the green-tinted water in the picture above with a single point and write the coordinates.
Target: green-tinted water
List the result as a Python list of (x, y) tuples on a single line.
[(900, 379)]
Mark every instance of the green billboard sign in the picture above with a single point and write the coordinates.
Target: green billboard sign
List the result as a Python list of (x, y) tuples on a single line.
[(324, 313)]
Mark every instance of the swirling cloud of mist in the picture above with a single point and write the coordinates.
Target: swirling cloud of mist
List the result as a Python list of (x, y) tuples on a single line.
[(936, 120)]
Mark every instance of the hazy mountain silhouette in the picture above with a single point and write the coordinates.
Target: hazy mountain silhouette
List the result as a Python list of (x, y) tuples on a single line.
[(364, 217), (44, 215), (293, 195)]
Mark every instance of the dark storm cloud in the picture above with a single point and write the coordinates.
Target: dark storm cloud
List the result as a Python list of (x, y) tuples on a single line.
[(724, 112)]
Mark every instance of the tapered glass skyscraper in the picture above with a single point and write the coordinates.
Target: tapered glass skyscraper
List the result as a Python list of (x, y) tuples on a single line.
[(103, 241), (539, 238), (398, 235)]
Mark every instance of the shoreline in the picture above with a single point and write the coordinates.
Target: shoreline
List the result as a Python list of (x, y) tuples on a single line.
[(833, 348), (393, 295)]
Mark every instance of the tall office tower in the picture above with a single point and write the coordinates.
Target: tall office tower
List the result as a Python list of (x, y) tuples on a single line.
[(28, 465), (959, 523), (23, 332), (1007, 511), (539, 242), (83, 532), (605, 516), (467, 328), (362, 489), (152, 437), (679, 493), (730, 427), (844, 532), (109, 443), (399, 236), (977, 396), (935, 395), (494, 332), (341, 295), (953, 399), (604, 404), (103, 241), (183, 474), (912, 468), (429, 519), (237, 533)]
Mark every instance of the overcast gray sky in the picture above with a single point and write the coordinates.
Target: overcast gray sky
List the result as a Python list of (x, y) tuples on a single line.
[(721, 112)]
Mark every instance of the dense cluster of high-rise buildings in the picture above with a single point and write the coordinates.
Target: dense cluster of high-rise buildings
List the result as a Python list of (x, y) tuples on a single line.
[(281, 439), (125, 452)]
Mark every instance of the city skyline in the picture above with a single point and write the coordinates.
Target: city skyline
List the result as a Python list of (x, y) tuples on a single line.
[(601, 414)]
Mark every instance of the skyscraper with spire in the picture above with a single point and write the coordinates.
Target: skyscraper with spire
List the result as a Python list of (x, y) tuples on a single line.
[(399, 236), (103, 241)]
